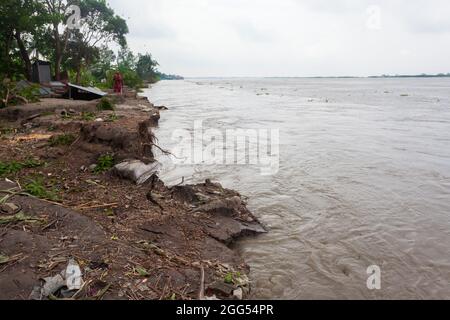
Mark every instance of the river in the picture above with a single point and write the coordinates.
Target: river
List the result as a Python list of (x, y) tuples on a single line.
[(363, 180)]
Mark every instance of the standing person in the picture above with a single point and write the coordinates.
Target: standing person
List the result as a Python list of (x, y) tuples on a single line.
[(118, 83)]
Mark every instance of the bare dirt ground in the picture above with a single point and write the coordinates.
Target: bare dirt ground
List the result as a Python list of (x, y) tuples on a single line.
[(58, 203)]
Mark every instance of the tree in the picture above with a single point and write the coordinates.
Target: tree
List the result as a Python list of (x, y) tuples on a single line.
[(79, 56), (100, 26), (105, 62), (146, 67), (6, 35), (21, 25), (57, 30), (75, 35), (126, 60), (28, 29)]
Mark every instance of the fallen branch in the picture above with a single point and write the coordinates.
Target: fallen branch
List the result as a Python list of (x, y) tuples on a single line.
[(20, 217), (22, 193), (97, 206), (165, 152), (21, 98)]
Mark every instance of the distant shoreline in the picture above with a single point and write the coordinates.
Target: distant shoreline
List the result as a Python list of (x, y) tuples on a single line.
[(331, 77)]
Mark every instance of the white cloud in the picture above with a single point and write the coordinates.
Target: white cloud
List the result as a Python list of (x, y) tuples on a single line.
[(290, 37)]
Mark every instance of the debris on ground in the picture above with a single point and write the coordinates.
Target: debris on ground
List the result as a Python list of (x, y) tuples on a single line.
[(136, 170), (63, 285), (115, 232)]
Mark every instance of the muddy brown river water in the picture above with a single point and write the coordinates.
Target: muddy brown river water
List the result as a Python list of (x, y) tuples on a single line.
[(363, 180)]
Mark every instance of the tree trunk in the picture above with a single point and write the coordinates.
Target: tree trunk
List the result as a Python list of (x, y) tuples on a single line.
[(58, 53), (78, 78), (25, 56), (7, 53)]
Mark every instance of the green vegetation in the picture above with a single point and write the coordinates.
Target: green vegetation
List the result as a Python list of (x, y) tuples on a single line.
[(81, 49), (232, 278), (141, 271), (32, 163), (105, 104), (14, 167), (12, 94), (5, 131), (146, 68), (104, 163), (88, 116), (62, 140), (10, 168), (38, 188), (112, 118)]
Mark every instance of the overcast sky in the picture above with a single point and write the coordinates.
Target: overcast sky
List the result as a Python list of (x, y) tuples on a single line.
[(199, 38)]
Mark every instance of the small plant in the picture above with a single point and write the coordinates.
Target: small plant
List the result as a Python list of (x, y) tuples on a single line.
[(62, 140), (229, 278), (105, 104), (67, 117), (141, 271), (37, 188), (104, 163), (88, 116), (10, 168), (31, 163), (232, 278), (14, 167), (110, 213), (112, 118), (173, 297)]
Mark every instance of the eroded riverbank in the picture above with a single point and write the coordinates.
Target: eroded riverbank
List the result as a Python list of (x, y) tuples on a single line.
[(63, 200)]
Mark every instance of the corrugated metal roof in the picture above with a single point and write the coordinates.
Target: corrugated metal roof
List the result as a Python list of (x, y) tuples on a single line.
[(89, 89)]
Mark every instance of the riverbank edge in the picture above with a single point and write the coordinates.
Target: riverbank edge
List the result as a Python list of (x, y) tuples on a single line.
[(186, 229)]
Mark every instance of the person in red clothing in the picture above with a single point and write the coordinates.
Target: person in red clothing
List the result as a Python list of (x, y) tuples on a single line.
[(118, 83)]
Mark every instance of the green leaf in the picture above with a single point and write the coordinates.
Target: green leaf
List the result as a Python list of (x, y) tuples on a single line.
[(4, 259), (142, 272), (229, 278)]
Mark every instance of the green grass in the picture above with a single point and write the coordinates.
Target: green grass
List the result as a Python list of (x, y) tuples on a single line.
[(104, 163), (6, 131), (62, 140), (14, 167), (32, 163), (37, 187), (112, 118), (88, 116)]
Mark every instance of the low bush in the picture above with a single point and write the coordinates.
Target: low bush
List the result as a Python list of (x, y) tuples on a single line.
[(106, 104)]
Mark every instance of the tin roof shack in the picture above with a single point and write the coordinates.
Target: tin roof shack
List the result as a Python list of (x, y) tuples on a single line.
[(84, 93), (42, 72)]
